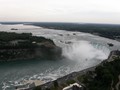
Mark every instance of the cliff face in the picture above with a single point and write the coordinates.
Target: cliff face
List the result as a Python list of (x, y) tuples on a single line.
[(25, 46), (48, 51), (42, 52)]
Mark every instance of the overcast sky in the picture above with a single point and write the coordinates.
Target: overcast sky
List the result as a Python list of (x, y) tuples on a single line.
[(90, 11)]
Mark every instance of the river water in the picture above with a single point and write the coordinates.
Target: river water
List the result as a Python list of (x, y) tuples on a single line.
[(82, 50)]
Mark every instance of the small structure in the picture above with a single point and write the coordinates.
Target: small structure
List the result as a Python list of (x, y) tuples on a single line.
[(74, 86), (34, 42)]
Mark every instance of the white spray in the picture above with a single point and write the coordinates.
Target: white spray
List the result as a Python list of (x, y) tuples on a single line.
[(84, 50)]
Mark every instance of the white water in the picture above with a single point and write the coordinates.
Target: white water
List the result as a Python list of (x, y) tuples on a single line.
[(83, 51)]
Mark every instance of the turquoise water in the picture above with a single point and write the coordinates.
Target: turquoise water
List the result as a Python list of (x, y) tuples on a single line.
[(13, 73)]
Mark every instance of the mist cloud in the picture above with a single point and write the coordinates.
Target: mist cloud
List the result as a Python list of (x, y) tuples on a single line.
[(84, 50)]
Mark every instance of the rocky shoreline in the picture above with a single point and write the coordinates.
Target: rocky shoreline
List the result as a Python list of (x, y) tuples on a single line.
[(75, 77)]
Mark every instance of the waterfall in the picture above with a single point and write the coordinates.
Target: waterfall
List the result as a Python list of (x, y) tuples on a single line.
[(84, 50)]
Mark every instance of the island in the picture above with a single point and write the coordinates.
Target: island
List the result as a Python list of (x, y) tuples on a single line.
[(20, 46)]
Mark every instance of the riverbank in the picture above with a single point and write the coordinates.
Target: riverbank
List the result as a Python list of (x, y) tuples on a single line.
[(81, 77)]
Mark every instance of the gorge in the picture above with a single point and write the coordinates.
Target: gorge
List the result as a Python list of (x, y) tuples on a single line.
[(81, 51)]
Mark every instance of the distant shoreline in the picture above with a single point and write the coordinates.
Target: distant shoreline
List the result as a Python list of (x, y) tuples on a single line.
[(110, 31), (102, 30)]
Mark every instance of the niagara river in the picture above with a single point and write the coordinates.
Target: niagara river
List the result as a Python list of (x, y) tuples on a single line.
[(80, 51)]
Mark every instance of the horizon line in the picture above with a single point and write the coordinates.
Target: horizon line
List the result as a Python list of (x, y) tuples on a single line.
[(4, 22)]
